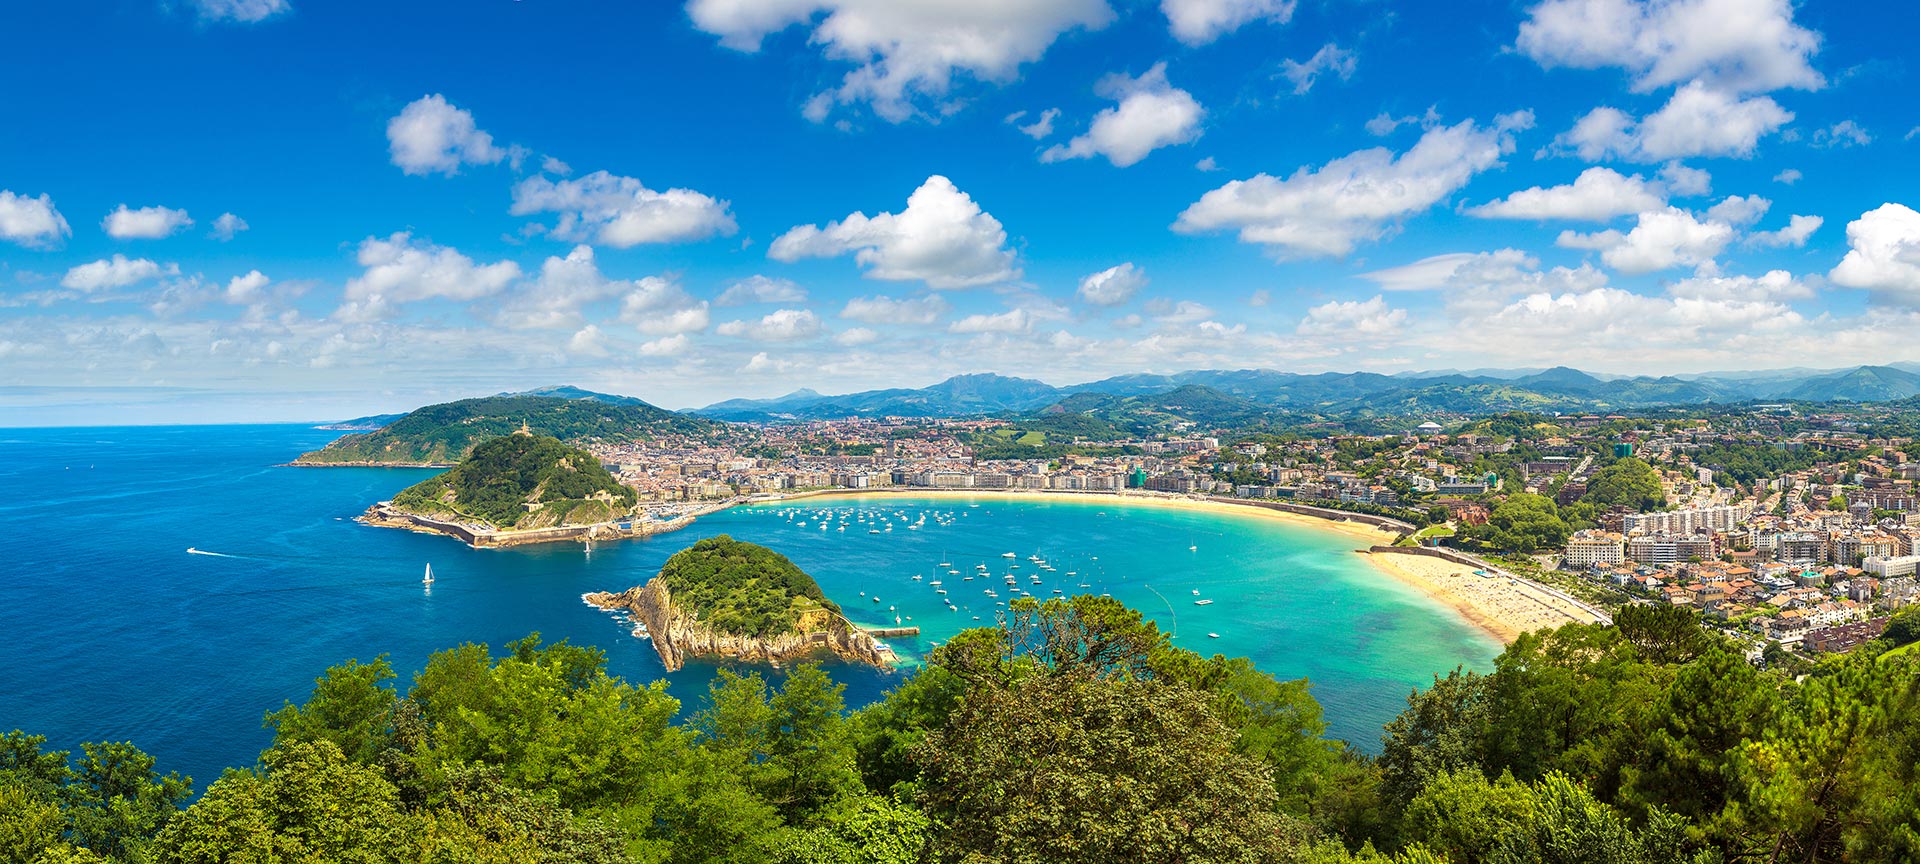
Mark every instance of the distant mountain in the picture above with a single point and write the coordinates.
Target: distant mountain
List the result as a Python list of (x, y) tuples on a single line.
[(446, 433), (1343, 394), (1189, 405), (961, 395), (361, 424), (568, 391), (1865, 384)]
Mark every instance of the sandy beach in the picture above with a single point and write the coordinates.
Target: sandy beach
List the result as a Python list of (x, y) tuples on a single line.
[(1504, 609)]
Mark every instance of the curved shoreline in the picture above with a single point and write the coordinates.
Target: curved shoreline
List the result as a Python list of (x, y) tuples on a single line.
[(1500, 608)]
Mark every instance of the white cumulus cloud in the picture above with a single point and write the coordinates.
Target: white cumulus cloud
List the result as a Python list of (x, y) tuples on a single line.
[(243, 11), (621, 211), (146, 223), (1662, 239), (1010, 321), (1798, 229), (1112, 286), (942, 238), (1197, 22), (31, 222), (1366, 318), (431, 135), (1151, 114), (1357, 197), (1742, 45), (116, 272), (226, 225), (780, 325), (887, 310), (399, 269), (1696, 121), (905, 52), (1883, 253), (1597, 195)]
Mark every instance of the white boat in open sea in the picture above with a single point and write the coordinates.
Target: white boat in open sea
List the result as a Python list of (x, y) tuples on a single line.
[(428, 579)]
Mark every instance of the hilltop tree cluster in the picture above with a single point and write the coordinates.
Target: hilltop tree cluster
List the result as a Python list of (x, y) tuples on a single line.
[(1075, 733)]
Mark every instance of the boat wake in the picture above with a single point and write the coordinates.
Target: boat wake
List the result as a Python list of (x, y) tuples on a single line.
[(193, 551)]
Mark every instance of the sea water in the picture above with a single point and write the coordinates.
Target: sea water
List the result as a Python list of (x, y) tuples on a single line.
[(116, 632)]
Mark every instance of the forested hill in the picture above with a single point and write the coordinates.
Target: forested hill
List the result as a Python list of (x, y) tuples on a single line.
[(1076, 733), (445, 433), (741, 589), (522, 481)]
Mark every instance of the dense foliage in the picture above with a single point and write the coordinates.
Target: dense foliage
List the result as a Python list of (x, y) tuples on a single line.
[(1522, 523), (446, 433), (1073, 733), (741, 588), (500, 478), (1627, 482)]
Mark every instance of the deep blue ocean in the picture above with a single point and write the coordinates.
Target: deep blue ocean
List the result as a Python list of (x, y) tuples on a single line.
[(118, 633)]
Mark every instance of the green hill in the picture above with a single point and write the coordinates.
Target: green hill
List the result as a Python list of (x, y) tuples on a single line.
[(445, 433), (741, 588), (521, 482)]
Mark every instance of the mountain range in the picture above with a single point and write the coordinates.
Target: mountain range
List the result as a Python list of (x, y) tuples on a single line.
[(1345, 393)]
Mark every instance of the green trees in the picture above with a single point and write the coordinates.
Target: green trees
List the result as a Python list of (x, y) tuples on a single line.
[(1628, 482), (741, 588), (502, 477), (107, 803), (1525, 523), (1903, 628)]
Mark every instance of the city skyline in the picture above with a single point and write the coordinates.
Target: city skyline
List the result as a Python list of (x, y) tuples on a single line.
[(276, 209)]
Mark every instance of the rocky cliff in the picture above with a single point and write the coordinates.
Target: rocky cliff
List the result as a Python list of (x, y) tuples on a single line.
[(678, 633)]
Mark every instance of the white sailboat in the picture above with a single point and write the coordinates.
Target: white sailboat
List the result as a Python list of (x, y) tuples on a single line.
[(428, 579)]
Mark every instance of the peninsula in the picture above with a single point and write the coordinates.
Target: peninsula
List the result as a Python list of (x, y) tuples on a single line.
[(519, 488), (443, 434), (721, 597)]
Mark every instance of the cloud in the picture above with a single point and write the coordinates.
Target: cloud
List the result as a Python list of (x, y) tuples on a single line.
[(146, 223), (1330, 58), (942, 238), (1666, 238), (1774, 286), (1739, 211), (1883, 254), (1039, 128), (431, 136), (1367, 318), (886, 310), (1795, 234), (1750, 46), (242, 11), (780, 325), (554, 166), (1151, 114), (246, 288), (31, 222), (1010, 321), (856, 336), (905, 52), (622, 212), (116, 272), (1684, 181), (400, 270), (666, 346), (1788, 177), (657, 306), (1842, 135), (1358, 197), (1181, 312), (1597, 195), (554, 299), (1206, 164), (1113, 286), (761, 289), (1384, 123), (1197, 22), (226, 226), (1696, 121), (589, 340)]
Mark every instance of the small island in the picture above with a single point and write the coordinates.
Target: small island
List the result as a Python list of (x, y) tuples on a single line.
[(520, 488), (721, 597)]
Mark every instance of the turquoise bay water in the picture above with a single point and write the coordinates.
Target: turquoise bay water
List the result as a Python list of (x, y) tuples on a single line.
[(117, 633)]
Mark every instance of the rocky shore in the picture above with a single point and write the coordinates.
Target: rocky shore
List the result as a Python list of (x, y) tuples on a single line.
[(384, 515), (677, 634)]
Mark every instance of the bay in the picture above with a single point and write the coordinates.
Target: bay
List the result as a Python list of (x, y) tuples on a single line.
[(117, 632)]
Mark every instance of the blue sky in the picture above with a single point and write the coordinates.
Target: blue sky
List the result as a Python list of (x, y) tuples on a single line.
[(289, 209)]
